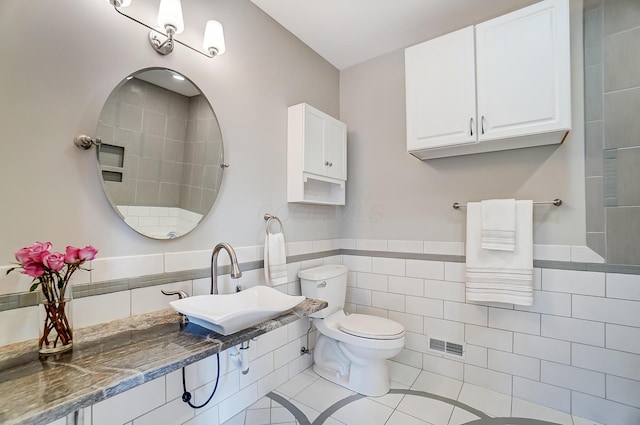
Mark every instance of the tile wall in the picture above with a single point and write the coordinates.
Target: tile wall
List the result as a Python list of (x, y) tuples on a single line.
[(612, 98), (172, 148), (139, 119), (575, 350), (274, 357), (158, 222), (203, 154)]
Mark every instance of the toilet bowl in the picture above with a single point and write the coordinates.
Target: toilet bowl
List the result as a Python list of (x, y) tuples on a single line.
[(351, 350)]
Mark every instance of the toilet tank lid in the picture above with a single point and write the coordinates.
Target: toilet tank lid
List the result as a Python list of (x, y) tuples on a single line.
[(323, 272)]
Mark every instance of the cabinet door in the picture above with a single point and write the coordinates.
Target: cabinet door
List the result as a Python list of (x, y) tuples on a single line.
[(440, 89), (523, 71), (335, 149), (314, 124)]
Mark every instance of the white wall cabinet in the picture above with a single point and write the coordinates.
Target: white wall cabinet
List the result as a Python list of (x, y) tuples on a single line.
[(316, 157), (502, 84), (441, 91)]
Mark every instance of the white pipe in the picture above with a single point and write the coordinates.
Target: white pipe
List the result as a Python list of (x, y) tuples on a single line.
[(238, 355)]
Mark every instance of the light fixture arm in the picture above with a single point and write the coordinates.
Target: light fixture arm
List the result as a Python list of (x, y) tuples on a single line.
[(163, 47), (155, 33)]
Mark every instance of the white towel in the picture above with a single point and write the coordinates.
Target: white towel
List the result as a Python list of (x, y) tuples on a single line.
[(499, 224), (500, 276), (275, 259)]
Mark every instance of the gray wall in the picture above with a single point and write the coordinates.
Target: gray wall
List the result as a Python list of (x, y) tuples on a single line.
[(612, 87), (60, 64), (392, 195)]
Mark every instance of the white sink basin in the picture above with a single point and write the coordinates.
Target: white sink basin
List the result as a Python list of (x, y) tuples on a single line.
[(230, 313)]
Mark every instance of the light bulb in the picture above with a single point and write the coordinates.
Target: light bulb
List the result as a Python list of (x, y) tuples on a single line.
[(214, 38), (170, 14)]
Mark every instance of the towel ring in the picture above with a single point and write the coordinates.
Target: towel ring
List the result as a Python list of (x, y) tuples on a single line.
[(268, 218)]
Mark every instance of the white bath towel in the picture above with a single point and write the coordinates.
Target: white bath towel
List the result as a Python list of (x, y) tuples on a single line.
[(499, 224), (275, 259), (500, 276)]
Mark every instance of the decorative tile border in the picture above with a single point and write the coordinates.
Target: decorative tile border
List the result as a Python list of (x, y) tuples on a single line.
[(483, 418), (26, 299), (405, 255), (12, 301)]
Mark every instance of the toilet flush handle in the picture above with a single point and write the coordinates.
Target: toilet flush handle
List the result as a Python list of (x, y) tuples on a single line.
[(322, 284)]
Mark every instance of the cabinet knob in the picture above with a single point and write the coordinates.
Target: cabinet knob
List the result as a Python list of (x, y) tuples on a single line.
[(329, 164)]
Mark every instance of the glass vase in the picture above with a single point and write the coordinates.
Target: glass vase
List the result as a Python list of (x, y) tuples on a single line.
[(56, 329)]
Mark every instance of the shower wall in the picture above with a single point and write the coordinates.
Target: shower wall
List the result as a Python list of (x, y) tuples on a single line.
[(612, 102)]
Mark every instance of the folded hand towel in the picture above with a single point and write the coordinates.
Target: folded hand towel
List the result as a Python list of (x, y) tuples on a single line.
[(275, 259), (500, 276), (499, 224)]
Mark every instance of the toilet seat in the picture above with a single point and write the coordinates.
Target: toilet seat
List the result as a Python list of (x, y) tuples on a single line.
[(373, 327), (330, 327)]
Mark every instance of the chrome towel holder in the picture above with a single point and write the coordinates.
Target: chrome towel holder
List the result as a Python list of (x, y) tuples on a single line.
[(556, 202), (268, 219)]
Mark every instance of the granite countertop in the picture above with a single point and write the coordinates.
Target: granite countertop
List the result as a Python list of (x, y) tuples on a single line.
[(110, 358)]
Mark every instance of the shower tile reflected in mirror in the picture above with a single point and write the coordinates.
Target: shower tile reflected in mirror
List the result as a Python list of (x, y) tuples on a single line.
[(161, 154)]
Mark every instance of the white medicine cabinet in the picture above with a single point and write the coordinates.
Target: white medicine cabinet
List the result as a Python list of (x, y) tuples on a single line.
[(316, 157), (502, 84)]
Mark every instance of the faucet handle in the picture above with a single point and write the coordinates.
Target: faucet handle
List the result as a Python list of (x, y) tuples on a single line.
[(180, 294)]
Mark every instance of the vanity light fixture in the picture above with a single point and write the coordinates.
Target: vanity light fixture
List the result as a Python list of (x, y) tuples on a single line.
[(170, 23)]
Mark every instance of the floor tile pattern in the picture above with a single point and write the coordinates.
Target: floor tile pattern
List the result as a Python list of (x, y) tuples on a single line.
[(417, 397)]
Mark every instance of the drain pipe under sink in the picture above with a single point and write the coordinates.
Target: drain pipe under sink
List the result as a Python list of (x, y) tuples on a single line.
[(238, 355)]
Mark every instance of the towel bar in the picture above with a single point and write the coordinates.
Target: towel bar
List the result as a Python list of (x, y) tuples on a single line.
[(556, 202), (268, 218)]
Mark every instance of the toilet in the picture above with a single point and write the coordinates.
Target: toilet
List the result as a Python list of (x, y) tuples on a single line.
[(351, 350)]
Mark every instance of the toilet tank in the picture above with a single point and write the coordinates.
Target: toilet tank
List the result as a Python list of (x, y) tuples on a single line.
[(327, 283)]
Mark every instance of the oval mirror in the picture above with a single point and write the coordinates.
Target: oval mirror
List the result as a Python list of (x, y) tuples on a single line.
[(161, 154)]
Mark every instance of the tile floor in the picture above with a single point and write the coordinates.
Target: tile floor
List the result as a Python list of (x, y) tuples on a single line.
[(311, 397)]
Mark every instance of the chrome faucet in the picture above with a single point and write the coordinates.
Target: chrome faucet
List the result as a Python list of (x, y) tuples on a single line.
[(235, 269)]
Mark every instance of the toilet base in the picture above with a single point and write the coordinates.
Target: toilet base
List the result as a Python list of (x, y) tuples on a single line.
[(333, 362), (374, 384)]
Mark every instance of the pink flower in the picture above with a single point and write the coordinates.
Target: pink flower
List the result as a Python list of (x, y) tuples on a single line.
[(39, 250), (46, 267), (87, 253), (72, 256), (53, 261), (33, 269), (23, 255)]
